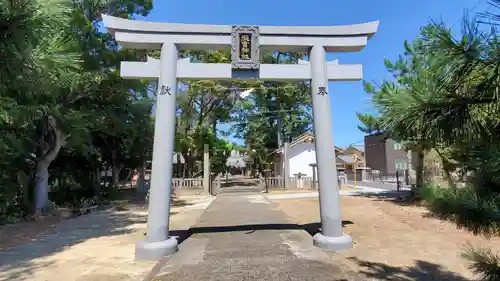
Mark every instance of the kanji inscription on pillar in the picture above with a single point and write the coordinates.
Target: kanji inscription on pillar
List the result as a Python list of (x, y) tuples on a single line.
[(165, 90), (322, 91)]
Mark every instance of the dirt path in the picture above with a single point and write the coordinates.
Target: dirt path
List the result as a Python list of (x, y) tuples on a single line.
[(27, 231), (395, 242), (93, 247)]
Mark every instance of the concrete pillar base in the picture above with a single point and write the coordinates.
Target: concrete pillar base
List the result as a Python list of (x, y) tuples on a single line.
[(343, 242), (152, 251)]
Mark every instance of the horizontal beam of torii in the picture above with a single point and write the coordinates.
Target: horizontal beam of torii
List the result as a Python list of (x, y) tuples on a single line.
[(151, 35), (223, 71)]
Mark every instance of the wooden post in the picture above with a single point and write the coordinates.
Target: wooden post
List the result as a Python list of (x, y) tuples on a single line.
[(206, 169), (286, 166), (397, 179), (214, 183), (266, 174), (354, 176), (355, 167), (313, 165)]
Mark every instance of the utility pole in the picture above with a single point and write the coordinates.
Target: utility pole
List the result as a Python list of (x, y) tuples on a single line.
[(281, 135)]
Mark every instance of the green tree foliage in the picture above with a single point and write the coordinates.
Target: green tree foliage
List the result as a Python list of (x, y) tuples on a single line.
[(445, 97), (369, 123), (399, 116), (273, 107), (61, 95), (38, 71), (66, 115), (207, 103)]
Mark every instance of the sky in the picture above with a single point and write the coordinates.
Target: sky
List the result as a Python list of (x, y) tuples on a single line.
[(399, 21)]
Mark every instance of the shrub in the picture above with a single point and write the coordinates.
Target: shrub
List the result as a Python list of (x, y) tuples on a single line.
[(483, 262), (477, 213), (464, 207)]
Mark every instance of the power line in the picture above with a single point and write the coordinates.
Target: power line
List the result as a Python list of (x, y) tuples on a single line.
[(354, 143), (360, 141)]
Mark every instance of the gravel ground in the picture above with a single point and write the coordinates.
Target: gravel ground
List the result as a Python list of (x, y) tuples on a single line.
[(395, 241)]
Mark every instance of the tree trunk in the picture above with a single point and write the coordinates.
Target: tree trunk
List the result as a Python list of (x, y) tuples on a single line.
[(115, 175), (214, 127), (447, 167), (42, 185), (97, 184), (114, 170), (179, 164), (409, 154), (419, 170), (189, 165), (24, 182), (42, 167), (141, 181)]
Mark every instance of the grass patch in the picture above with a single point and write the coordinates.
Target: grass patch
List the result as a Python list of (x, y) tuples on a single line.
[(479, 214), (464, 207)]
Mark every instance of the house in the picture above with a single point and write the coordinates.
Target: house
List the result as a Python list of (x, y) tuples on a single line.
[(352, 157), (238, 161), (352, 163), (301, 153), (386, 155)]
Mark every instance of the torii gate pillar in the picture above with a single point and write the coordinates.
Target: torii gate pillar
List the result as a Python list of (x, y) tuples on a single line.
[(158, 242)]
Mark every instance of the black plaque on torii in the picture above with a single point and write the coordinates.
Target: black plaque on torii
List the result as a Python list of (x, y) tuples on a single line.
[(245, 53)]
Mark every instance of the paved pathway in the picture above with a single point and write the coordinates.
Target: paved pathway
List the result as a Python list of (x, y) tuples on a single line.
[(241, 236)]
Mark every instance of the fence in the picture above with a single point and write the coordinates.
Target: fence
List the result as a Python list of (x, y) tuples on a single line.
[(279, 182), (295, 182), (390, 177), (187, 183), (191, 184), (400, 178), (272, 182), (183, 183)]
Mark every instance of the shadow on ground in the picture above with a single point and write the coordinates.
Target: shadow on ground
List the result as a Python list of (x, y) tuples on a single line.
[(421, 271), (21, 260), (180, 203), (237, 183), (311, 228), (131, 196), (401, 198)]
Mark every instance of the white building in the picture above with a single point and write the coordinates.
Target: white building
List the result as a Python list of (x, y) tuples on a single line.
[(301, 153)]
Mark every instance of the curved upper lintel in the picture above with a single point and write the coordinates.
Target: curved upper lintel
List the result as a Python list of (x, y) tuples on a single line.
[(114, 23)]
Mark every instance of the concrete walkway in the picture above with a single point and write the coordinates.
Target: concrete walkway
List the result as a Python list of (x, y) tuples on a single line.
[(241, 236)]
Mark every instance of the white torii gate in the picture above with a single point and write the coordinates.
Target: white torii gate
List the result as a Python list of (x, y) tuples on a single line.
[(246, 43)]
